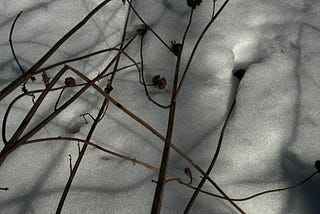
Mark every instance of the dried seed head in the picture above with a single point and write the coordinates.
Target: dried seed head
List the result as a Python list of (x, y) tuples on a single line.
[(188, 172), (108, 89), (194, 3), (69, 81), (156, 80), (162, 83), (142, 29), (159, 82), (176, 48)]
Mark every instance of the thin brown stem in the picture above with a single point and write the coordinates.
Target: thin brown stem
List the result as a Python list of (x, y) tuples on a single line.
[(34, 108), (197, 44), (121, 46), (95, 123), (82, 152), (81, 57), (143, 80), (155, 132), (170, 177), (142, 20), (8, 149), (11, 45), (133, 160), (30, 72), (158, 196), (59, 97), (304, 181), (215, 157)]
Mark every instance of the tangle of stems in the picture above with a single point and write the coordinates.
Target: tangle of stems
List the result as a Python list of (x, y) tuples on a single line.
[(23, 135)]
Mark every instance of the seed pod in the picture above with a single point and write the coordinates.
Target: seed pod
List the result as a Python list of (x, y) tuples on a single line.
[(176, 48), (188, 172), (142, 29), (194, 3), (108, 89), (159, 82), (69, 81), (156, 80), (162, 83)]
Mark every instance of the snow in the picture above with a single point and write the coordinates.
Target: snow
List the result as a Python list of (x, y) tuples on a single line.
[(271, 140)]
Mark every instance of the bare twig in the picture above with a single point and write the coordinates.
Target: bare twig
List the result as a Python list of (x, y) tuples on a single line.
[(143, 80), (158, 196), (30, 72), (34, 108), (238, 74), (304, 181), (141, 19), (155, 132), (170, 177), (82, 152), (59, 97), (101, 113), (193, 198), (11, 45), (11, 147), (197, 44), (99, 117), (80, 58), (66, 139)]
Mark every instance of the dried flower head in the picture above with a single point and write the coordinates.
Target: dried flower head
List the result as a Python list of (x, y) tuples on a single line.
[(188, 172), (159, 82), (143, 28), (176, 48), (108, 89), (162, 83), (69, 81), (155, 79), (194, 3)]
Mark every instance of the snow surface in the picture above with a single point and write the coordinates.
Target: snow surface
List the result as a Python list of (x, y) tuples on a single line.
[(270, 142)]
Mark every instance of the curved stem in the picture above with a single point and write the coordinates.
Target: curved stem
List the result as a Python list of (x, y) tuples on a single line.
[(215, 157), (197, 44), (143, 80), (260, 193), (99, 117), (141, 19), (155, 132), (11, 45), (79, 159), (30, 72), (81, 57)]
